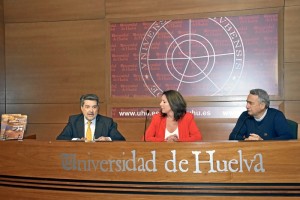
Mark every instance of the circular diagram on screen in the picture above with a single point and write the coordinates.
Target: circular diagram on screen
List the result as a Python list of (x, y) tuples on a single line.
[(199, 57)]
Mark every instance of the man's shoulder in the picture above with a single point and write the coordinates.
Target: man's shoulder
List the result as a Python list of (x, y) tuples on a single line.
[(103, 118), (244, 114), (75, 117), (274, 111)]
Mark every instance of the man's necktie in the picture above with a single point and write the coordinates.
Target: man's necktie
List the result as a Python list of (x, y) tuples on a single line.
[(89, 136)]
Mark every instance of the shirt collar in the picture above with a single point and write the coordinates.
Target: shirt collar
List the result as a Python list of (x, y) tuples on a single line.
[(262, 117), (93, 121)]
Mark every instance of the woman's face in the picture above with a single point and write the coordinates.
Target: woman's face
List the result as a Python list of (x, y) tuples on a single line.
[(164, 105)]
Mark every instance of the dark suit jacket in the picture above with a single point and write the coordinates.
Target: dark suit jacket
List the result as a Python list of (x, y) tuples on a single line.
[(105, 126)]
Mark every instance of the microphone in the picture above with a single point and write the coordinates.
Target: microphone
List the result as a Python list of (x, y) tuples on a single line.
[(147, 112), (238, 132)]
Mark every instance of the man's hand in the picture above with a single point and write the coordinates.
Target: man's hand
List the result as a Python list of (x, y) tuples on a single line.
[(103, 139), (253, 136)]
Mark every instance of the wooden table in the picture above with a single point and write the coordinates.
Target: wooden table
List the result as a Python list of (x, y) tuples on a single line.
[(33, 169)]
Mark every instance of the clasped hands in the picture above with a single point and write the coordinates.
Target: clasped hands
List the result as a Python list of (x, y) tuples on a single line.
[(99, 139), (253, 136), (172, 138)]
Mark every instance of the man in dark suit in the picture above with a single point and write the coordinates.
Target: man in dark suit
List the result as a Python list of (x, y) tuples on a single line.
[(89, 125)]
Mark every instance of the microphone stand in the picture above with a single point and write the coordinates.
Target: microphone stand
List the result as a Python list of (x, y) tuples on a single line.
[(147, 112), (238, 132)]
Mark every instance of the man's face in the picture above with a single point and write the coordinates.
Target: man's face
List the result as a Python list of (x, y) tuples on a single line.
[(90, 109), (254, 107)]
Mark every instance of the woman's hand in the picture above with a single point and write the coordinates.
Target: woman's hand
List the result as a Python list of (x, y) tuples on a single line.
[(172, 138)]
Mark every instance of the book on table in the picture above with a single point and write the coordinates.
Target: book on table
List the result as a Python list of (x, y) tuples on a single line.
[(13, 126)]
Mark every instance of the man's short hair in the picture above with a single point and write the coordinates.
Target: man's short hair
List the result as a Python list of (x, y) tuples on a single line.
[(91, 97), (263, 96)]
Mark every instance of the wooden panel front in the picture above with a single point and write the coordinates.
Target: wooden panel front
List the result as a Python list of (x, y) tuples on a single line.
[(292, 110), (30, 194), (44, 132), (291, 81), (245, 162), (231, 170), (53, 10), (292, 3), (46, 113), (145, 8), (2, 58), (55, 62), (132, 130), (291, 34)]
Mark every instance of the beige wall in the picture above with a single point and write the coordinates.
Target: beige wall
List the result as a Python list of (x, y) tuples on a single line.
[(57, 50)]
